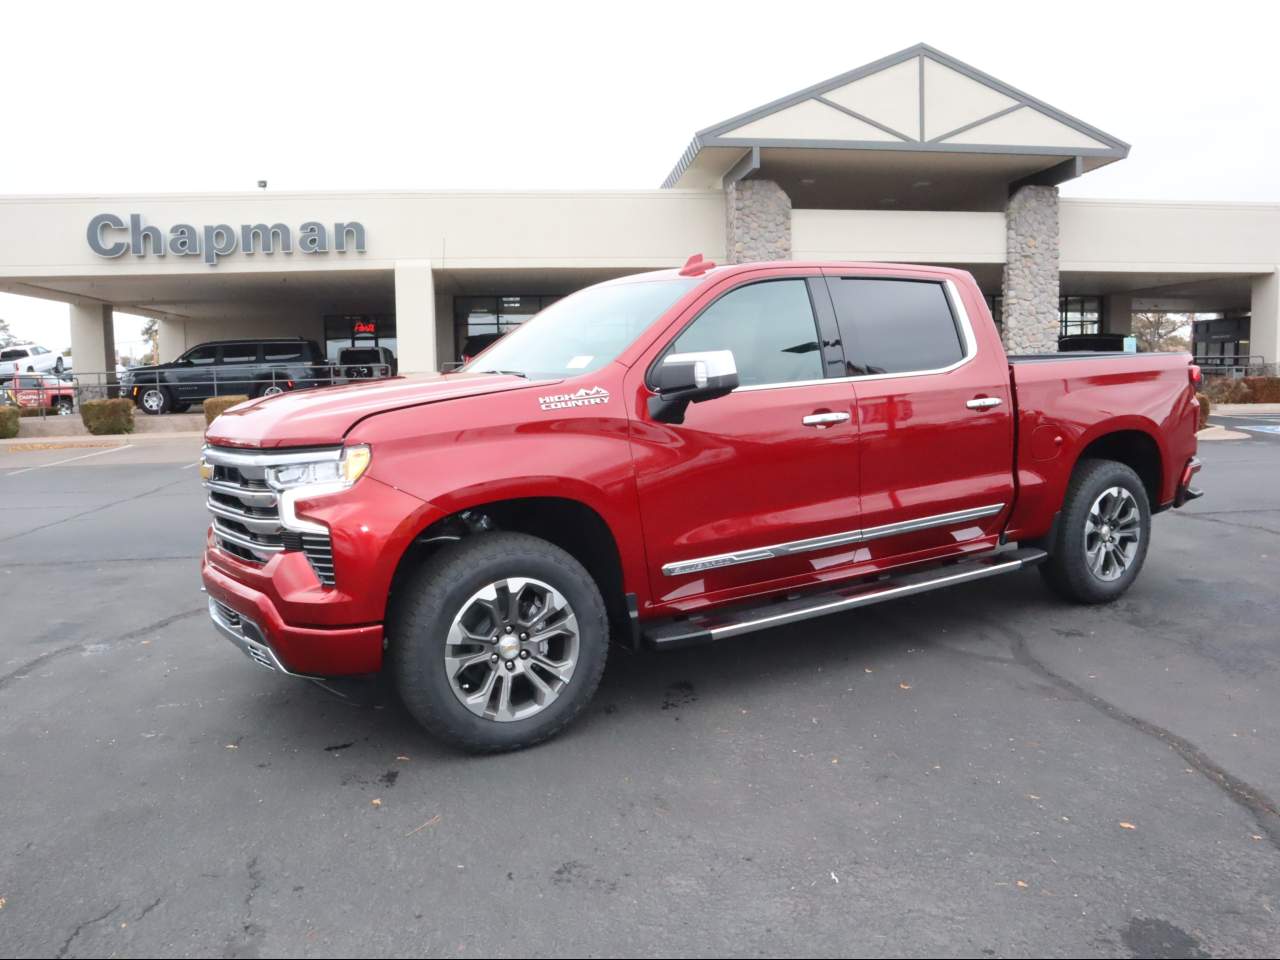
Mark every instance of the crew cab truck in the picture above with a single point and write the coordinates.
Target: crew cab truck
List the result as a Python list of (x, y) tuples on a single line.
[(673, 458)]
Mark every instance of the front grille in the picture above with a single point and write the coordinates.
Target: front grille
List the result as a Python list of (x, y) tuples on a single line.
[(246, 513)]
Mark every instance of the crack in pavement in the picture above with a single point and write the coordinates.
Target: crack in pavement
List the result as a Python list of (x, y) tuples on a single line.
[(91, 510), (66, 944), (1206, 518), (98, 560), (52, 655), (252, 933), (1264, 810)]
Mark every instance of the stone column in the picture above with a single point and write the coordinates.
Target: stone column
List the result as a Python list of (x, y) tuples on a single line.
[(1031, 317), (757, 221), (415, 317), (1264, 320)]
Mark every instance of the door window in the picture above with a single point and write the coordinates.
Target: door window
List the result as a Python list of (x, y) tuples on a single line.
[(770, 328), (240, 353), (895, 326), (202, 356)]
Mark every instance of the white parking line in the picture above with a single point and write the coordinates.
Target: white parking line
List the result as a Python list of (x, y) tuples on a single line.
[(58, 463), (190, 465)]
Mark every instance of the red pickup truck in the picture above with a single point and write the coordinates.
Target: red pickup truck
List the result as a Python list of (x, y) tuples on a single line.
[(672, 458)]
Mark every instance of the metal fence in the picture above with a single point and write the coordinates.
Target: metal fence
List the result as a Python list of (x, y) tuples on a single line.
[(1236, 365), (61, 394)]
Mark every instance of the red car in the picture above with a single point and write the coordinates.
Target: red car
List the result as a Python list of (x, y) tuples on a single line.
[(37, 390), (674, 458)]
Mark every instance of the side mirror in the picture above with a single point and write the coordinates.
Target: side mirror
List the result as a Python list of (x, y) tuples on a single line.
[(685, 378)]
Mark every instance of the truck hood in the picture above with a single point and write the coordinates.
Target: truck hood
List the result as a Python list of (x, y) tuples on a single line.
[(323, 416)]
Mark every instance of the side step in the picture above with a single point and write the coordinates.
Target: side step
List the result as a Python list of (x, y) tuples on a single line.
[(718, 625)]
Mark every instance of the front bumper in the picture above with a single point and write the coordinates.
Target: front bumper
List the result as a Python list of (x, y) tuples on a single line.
[(250, 619)]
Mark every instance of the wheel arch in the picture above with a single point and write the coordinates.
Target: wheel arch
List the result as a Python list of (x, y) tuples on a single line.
[(569, 522), (1138, 447)]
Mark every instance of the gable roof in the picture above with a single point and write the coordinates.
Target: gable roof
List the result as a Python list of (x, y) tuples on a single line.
[(917, 100)]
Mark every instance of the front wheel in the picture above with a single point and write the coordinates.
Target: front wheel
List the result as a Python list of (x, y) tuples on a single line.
[(64, 406), (154, 400), (498, 642), (1103, 532)]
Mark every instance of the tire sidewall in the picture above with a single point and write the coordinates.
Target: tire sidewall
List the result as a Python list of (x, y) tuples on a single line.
[(165, 402), (1093, 480), (421, 627)]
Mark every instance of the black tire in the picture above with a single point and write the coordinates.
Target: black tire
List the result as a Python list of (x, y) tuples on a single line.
[(1068, 571), (57, 365), (64, 406), (441, 589), (269, 388), (154, 399)]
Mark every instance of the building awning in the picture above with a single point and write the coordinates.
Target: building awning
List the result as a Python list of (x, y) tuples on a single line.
[(918, 111)]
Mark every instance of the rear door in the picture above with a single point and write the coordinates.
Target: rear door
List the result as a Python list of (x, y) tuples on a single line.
[(934, 414), (755, 489), (239, 364)]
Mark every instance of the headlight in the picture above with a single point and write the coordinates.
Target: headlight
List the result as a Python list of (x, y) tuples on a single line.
[(334, 475)]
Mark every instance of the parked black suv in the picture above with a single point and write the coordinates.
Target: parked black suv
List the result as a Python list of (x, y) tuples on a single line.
[(257, 368)]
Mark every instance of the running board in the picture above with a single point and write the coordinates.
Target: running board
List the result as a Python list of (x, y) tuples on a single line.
[(718, 625)]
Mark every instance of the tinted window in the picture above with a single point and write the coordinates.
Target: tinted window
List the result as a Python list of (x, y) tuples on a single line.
[(37, 351), (895, 326), (769, 327), (280, 352), (202, 355), (240, 353), (12, 354)]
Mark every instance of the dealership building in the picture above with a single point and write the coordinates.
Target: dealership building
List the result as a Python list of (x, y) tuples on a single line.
[(915, 158)]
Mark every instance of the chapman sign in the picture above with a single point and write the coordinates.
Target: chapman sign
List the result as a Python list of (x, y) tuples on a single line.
[(109, 236)]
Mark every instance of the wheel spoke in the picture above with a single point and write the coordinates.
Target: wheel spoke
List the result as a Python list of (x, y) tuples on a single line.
[(478, 632)]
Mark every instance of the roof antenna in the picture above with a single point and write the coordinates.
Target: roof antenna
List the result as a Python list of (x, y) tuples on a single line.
[(696, 266)]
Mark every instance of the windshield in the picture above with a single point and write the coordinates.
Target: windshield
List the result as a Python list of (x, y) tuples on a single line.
[(582, 332)]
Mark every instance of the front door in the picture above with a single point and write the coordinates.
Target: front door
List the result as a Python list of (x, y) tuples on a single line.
[(934, 415), (754, 490)]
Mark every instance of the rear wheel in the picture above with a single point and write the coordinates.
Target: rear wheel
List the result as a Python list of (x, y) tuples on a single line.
[(155, 399), (498, 642), (1103, 532), (64, 406)]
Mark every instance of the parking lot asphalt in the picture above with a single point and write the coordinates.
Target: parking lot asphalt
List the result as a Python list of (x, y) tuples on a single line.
[(985, 771)]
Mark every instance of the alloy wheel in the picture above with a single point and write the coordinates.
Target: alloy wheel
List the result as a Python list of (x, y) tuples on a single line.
[(1112, 533), (512, 649)]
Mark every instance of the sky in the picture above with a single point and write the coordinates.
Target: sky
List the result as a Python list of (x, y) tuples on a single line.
[(159, 97)]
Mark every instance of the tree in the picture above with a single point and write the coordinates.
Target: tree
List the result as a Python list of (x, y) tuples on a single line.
[(1160, 331), (6, 335), (151, 334)]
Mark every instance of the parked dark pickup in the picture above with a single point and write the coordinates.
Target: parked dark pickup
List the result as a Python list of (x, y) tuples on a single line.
[(257, 368)]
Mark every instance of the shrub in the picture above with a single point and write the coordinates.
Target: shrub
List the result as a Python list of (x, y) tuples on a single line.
[(8, 422), (1227, 390), (1204, 410), (1263, 389), (215, 405), (107, 416)]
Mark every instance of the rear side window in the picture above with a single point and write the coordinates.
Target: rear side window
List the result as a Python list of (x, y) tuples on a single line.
[(240, 353), (12, 354), (280, 352), (770, 328), (895, 326)]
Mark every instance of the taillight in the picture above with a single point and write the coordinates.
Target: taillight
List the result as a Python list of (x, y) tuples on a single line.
[(1194, 374)]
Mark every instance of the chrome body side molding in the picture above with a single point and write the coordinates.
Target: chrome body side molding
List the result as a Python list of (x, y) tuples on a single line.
[(736, 557)]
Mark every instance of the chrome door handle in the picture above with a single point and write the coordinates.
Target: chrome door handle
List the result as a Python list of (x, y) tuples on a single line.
[(824, 420), (984, 403)]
